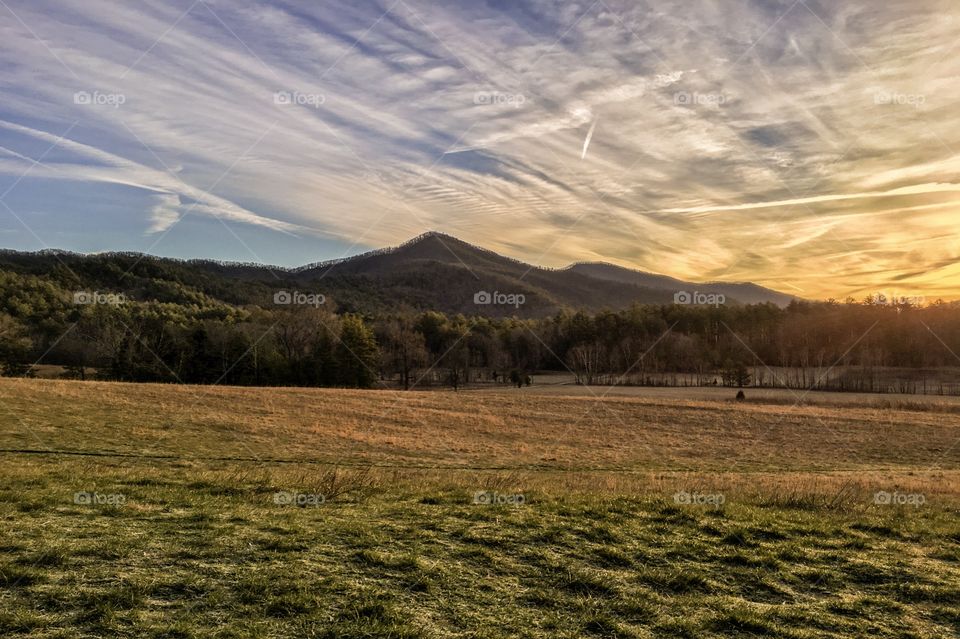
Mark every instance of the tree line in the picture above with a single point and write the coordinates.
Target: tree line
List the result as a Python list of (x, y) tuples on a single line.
[(200, 339)]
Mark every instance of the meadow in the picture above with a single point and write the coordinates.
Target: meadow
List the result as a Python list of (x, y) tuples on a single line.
[(191, 511)]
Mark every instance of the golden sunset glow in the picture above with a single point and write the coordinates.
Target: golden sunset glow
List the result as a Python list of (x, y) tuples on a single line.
[(809, 147)]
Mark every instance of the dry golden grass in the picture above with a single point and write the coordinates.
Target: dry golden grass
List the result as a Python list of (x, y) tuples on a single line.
[(489, 430), (399, 547)]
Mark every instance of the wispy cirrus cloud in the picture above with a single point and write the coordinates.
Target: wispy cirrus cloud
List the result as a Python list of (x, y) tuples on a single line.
[(798, 144)]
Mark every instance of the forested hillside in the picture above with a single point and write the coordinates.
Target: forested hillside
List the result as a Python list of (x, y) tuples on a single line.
[(125, 317)]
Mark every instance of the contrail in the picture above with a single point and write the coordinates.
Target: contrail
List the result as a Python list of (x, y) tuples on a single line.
[(586, 142)]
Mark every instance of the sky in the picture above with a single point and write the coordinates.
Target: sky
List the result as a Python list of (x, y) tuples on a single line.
[(811, 146)]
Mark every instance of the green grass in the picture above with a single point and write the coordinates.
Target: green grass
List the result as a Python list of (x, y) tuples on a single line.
[(200, 548), (198, 551)]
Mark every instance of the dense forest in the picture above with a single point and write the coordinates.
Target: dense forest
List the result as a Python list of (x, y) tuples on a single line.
[(162, 328)]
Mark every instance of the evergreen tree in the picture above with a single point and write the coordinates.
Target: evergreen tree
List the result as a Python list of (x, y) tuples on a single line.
[(357, 354)]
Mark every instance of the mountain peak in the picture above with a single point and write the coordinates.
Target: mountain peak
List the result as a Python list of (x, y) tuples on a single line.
[(433, 254), (432, 233), (428, 236)]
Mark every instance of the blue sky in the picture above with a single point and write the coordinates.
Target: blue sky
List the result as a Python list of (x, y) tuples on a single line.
[(807, 145)]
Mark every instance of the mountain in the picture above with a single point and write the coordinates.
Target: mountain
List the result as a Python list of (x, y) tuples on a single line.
[(743, 292), (430, 272), (464, 268), (444, 273)]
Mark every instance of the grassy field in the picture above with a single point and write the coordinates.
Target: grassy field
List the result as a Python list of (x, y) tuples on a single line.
[(627, 516), (565, 384)]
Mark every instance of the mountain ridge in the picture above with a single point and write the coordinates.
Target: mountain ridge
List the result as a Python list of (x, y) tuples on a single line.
[(432, 271)]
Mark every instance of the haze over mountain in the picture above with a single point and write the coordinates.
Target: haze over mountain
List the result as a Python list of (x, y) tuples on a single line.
[(430, 272)]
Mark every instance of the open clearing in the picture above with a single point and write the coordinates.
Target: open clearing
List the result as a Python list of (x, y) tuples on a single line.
[(602, 546), (561, 384)]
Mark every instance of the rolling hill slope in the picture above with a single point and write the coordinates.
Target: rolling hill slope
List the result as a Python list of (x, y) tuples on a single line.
[(743, 292)]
